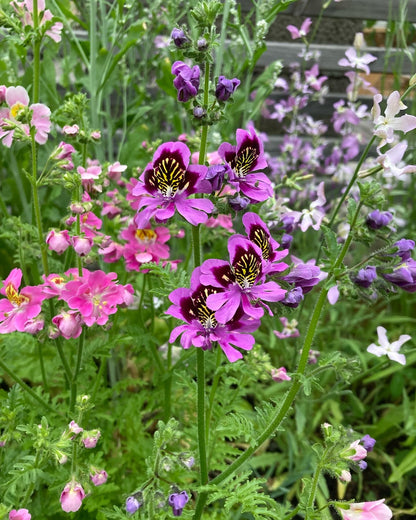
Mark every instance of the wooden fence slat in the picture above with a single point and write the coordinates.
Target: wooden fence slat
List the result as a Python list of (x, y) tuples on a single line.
[(331, 54)]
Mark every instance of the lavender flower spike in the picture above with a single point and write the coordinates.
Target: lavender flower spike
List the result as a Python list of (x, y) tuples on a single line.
[(244, 160), (186, 81), (167, 183)]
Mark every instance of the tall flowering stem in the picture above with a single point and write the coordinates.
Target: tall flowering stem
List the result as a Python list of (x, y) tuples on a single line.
[(296, 385), (200, 356), (36, 53)]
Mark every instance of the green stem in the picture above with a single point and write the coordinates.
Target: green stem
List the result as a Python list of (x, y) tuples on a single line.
[(36, 54), (315, 483), (26, 387), (200, 358), (42, 366), (76, 371), (214, 387)]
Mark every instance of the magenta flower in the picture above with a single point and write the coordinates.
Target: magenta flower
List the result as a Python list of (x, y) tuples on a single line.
[(95, 295), (186, 81), (241, 282), (376, 510), (302, 31), (20, 514), (72, 497), (20, 115), (90, 438), (225, 88), (18, 309), (259, 234), (167, 184), (244, 160), (144, 245), (201, 328)]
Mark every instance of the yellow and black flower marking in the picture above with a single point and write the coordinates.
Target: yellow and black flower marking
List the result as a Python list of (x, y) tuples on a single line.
[(244, 161), (204, 315), (168, 176), (247, 269), (259, 237), (14, 297)]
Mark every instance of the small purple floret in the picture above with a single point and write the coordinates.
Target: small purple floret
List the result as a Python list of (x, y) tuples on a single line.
[(132, 505), (186, 81), (178, 501), (378, 219), (405, 246), (366, 276), (179, 37), (368, 442), (225, 88)]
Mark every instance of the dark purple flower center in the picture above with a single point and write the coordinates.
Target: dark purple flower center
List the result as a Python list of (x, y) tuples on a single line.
[(245, 160), (247, 269), (259, 237), (168, 176), (200, 310)]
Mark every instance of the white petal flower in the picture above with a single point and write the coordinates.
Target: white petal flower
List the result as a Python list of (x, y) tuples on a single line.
[(389, 349)]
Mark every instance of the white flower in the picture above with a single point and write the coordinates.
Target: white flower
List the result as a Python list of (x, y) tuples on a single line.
[(390, 349)]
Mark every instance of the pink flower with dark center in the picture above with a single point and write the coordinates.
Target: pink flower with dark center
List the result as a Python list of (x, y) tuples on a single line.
[(20, 115), (167, 183), (17, 309), (241, 282), (72, 497), (375, 510), (144, 245), (244, 160), (202, 329), (96, 296)]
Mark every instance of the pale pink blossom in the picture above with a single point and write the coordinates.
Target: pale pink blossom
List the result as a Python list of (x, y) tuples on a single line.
[(333, 294), (289, 329), (25, 10), (302, 31), (385, 125), (279, 375), (224, 221), (72, 497), (392, 163), (58, 241), (354, 61), (359, 452), (313, 216), (98, 477), (115, 170), (74, 428), (82, 245), (20, 115), (20, 514), (90, 438), (387, 348), (70, 129), (376, 510), (68, 323)]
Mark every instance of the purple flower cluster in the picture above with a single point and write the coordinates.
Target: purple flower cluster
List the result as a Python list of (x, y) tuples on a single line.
[(186, 81), (403, 275), (226, 298)]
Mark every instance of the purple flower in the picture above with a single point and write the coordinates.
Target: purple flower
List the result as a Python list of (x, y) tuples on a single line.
[(378, 219), (178, 501), (356, 62), (179, 37), (368, 442), (405, 246), (303, 275), (239, 203), (293, 297), (215, 175), (366, 276), (245, 159), (241, 283), (226, 87), (202, 328), (132, 505), (259, 234), (403, 275), (362, 464), (167, 183), (186, 81)]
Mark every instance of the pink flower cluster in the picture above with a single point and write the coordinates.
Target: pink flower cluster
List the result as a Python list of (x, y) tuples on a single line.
[(25, 10), (90, 298)]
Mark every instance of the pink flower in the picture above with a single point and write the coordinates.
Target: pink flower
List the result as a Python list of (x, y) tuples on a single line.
[(224, 221), (18, 116), (89, 175), (115, 170), (82, 245), (20, 514), (58, 241), (98, 477), (25, 9), (96, 135), (144, 245), (279, 375), (72, 497), (69, 324), (356, 62), (74, 428), (18, 308), (384, 126), (376, 510), (95, 295), (360, 452), (302, 32), (289, 329), (391, 161), (70, 129), (90, 438)]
